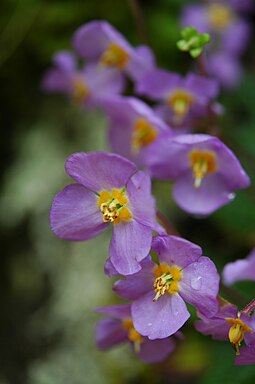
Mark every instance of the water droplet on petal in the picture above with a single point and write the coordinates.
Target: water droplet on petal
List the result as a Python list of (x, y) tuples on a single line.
[(196, 283)]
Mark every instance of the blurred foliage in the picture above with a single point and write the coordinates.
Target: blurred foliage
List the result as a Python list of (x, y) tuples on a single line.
[(49, 287)]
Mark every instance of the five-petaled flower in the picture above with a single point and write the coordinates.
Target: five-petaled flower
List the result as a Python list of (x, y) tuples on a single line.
[(159, 291), (205, 171), (100, 43), (109, 189)]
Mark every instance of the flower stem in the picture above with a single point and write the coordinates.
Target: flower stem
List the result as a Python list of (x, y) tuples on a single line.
[(168, 227), (139, 20)]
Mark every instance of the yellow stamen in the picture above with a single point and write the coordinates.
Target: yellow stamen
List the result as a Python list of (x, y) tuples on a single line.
[(167, 280), (113, 206), (236, 331), (80, 90), (202, 163), (180, 101), (143, 134), (220, 16), (133, 335), (114, 56)]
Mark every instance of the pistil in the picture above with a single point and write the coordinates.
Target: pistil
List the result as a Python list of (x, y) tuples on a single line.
[(180, 101), (114, 56), (143, 134), (202, 163), (236, 332), (167, 280), (113, 206)]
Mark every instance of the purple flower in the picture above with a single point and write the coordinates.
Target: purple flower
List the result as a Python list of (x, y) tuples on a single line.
[(221, 20), (159, 291), (228, 323), (247, 355), (134, 128), (204, 170), (99, 42), (84, 86), (243, 269), (119, 328), (182, 98), (229, 32), (109, 190)]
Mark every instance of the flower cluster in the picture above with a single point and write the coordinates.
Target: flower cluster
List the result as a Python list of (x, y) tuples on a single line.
[(158, 273)]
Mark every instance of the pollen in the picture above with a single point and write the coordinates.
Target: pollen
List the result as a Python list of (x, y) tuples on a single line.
[(166, 281), (113, 206), (236, 332), (80, 91), (180, 102), (114, 56), (220, 16), (143, 134), (202, 163)]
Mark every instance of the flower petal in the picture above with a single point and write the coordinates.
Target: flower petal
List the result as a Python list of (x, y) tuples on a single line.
[(212, 194), (175, 250), (159, 319), (240, 270), (137, 284), (99, 170), (116, 311), (129, 245), (110, 332), (200, 286), (154, 351), (75, 215)]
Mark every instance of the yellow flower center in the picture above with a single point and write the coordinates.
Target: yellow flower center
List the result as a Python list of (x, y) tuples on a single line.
[(202, 163), (114, 56), (133, 335), (236, 332), (180, 101), (143, 134), (80, 90), (220, 16), (167, 279), (113, 206)]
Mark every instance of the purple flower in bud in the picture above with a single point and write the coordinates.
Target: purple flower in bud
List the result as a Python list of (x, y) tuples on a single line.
[(119, 328), (204, 170), (181, 98), (100, 43), (134, 128), (83, 86), (109, 189), (243, 269), (159, 291)]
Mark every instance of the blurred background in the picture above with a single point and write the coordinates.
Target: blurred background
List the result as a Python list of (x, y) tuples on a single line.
[(50, 287)]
